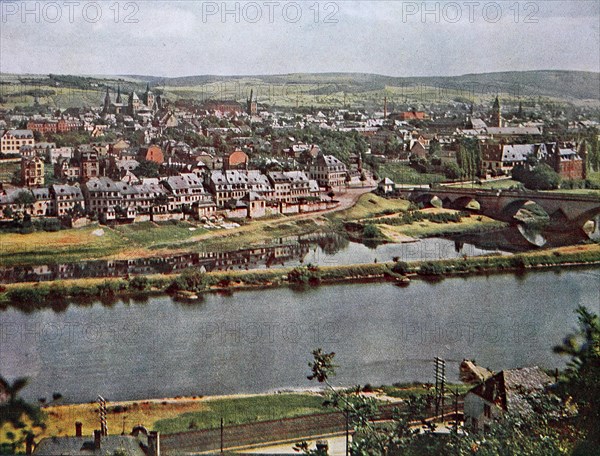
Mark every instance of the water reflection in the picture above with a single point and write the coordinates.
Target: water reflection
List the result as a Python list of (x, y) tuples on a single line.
[(325, 249)]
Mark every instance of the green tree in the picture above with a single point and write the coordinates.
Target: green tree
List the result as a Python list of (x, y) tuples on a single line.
[(453, 171), (582, 376), (15, 409), (537, 176), (469, 157), (147, 168)]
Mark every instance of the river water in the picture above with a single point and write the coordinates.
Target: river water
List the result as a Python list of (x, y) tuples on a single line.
[(257, 341), (322, 249)]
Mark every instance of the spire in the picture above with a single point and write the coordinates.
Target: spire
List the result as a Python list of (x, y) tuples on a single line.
[(119, 94), (147, 87), (496, 116), (106, 105)]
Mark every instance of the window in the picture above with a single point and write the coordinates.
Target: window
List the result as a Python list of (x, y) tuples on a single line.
[(487, 410)]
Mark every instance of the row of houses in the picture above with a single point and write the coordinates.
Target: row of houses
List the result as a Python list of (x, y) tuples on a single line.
[(248, 191), (565, 159)]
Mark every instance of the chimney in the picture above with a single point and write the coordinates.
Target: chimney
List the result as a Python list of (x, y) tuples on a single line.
[(78, 427), (29, 444), (97, 438), (322, 447), (153, 443)]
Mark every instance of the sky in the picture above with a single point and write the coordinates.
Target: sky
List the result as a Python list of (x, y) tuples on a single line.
[(396, 38)]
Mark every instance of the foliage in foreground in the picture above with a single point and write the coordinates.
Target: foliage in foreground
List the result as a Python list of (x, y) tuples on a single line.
[(542, 428)]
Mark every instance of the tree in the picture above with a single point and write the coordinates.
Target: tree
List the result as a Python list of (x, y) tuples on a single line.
[(24, 198), (469, 157), (453, 171), (582, 377), (147, 168), (369, 438), (14, 410), (536, 176)]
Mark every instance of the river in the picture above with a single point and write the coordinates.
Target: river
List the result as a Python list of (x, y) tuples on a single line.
[(257, 341)]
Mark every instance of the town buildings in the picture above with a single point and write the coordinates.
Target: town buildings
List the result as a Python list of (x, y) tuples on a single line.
[(328, 171), (12, 140), (508, 390)]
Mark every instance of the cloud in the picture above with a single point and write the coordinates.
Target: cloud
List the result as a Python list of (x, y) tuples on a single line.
[(397, 38)]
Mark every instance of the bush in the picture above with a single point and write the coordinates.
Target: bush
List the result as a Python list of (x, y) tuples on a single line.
[(139, 283), (401, 267), (453, 171), (190, 280), (371, 231), (432, 269), (304, 275), (28, 296)]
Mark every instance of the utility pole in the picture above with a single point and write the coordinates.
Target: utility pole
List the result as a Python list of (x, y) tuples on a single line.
[(440, 383), (347, 412), (221, 435), (102, 412), (455, 394)]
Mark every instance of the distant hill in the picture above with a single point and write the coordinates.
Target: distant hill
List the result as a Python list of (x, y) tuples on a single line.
[(577, 85)]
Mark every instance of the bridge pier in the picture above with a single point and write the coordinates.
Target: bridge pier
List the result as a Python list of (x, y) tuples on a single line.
[(593, 231)]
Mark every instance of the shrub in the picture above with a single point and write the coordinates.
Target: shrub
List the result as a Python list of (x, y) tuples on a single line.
[(139, 283), (371, 231), (432, 269), (305, 274), (28, 296), (190, 280), (401, 267)]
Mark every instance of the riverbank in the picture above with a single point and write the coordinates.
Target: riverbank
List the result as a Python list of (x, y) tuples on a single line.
[(162, 240), (172, 415), (191, 284)]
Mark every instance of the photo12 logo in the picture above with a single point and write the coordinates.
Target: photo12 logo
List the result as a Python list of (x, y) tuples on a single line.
[(270, 12), (453, 12), (69, 11)]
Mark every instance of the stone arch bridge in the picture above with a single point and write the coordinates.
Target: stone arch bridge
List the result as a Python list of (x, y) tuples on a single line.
[(565, 210)]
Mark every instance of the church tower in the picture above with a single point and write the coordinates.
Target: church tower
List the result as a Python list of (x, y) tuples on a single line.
[(496, 117), (149, 97), (106, 106), (119, 100), (133, 104), (251, 105)]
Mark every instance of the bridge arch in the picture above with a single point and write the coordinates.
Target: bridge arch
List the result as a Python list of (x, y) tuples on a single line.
[(466, 203), (592, 215), (509, 211)]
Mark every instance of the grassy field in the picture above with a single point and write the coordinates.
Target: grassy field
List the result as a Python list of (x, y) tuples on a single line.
[(427, 228), (370, 205), (503, 184), (405, 390), (242, 410), (143, 240), (175, 415), (63, 246), (154, 236), (126, 241), (401, 173)]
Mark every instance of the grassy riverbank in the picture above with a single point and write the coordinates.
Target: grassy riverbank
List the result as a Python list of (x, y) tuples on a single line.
[(183, 414), (191, 283), (143, 240)]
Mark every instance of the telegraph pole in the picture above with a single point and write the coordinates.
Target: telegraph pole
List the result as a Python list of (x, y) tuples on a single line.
[(440, 383), (102, 412), (222, 435)]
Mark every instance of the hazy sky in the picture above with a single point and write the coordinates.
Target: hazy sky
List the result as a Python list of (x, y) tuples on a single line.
[(399, 38)]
